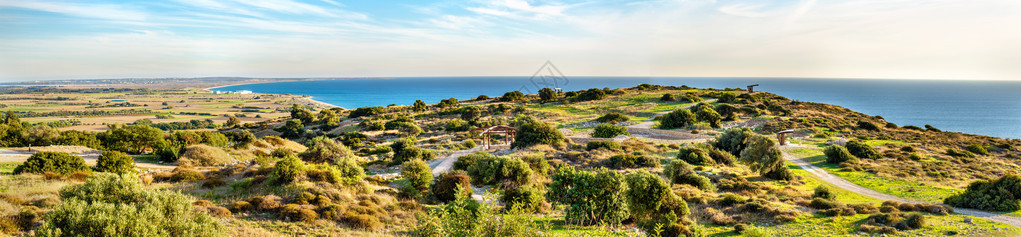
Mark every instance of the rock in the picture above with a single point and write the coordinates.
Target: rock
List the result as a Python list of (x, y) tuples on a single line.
[(968, 220)]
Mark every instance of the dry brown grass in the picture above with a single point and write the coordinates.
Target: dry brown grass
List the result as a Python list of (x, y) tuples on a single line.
[(204, 155)]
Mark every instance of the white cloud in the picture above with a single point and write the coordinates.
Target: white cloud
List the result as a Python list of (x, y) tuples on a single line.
[(101, 11)]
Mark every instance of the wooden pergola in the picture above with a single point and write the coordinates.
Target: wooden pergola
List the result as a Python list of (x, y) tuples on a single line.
[(487, 132), (782, 136)]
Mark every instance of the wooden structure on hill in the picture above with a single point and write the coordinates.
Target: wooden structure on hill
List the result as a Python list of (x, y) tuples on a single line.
[(782, 136), (751, 88), (487, 132)]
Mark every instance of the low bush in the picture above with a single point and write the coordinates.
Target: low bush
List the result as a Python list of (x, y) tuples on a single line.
[(730, 199), (822, 191), (612, 117), (822, 204), (632, 161), (861, 150), (677, 119), (609, 131), (203, 155), (955, 153), (864, 208), (977, 149), (608, 145), (837, 154), (525, 198), (680, 172), (115, 162), (289, 169), (181, 174), (108, 205), (57, 162), (240, 206), (695, 156), (446, 187), (1003, 194)]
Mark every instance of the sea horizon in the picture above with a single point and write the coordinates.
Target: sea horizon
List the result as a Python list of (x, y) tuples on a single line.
[(991, 107)]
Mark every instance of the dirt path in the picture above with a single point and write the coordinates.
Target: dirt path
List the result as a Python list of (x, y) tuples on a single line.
[(445, 164), (90, 159), (842, 183)]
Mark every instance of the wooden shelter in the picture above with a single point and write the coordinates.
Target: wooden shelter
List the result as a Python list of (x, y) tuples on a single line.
[(487, 132), (782, 136), (751, 88)]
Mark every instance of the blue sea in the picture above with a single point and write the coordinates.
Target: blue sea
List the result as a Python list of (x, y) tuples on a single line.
[(990, 108)]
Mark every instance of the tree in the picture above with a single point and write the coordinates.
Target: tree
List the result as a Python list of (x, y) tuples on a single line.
[(13, 121), (232, 122), (58, 162), (325, 150), (292, 129), (609, 131), (677, 119), (115, 162), (419, 176), (471, 114), (531, 131), (134, 138), (733, 140), (547, 95), (78, 138), (646, 193), (41, 135), (419, 106)]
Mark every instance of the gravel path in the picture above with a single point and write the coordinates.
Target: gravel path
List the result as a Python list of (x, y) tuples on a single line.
[(842, 183)]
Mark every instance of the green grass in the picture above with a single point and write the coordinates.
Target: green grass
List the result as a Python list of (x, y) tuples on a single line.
[(7, 168), (883, 143), (897, 187)]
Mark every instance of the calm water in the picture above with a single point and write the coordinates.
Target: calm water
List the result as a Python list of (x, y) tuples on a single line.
[(980, 107)]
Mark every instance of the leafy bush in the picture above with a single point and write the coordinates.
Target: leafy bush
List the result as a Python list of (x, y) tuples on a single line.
[(822, 191), (512, 96), (823, 204), (726, 97), (868, 126), (632, 161), (762, 156), (531, 131), (417, 172), (612, 117), (526, 198), (608, 145), (289, 169), (666, 97), (694, 156), (590, 94), (707, 114), (108, 205), (609, 131), (680, 172), (837, 154), (1003, 194), (186, 175), (366, 111), (955, 153), (733, 140), (677, 119), (490, 169), (445, 188), (592, 197), (977, 149), (58, 162), (203, 155), (547, 95), (861, 150), (325, 150)]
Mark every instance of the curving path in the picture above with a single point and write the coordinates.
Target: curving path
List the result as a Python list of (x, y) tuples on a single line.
[(842, 183), (447, 163)]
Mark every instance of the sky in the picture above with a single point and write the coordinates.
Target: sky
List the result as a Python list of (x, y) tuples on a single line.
[(918, 39)]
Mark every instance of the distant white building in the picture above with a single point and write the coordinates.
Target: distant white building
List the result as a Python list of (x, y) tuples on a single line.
[(240, 92)]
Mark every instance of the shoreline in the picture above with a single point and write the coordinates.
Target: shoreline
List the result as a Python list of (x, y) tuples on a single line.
[(310, 98), (314, 101)]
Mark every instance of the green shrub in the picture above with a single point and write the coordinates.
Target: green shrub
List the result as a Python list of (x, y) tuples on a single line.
[(822, 191), (709, 115), (531, 131), (822, 204), (861, 150), (108, 205), (203, 155), (977, 149), (612, 117), (609, 145), (677, 119), (499, 169), (418, 173), (240, 206), (632, 161), (868, 126), (730, 199), (186, 175), (666, 97), (289, 169), (325, 150), (837, 154), (512, 96), (445, 188), (57, 162), (115, 162), (609, 131), (526, 198), (592, 197), (466, 161), (680, 172), (955, 153), (695, 156), (1003, 194)]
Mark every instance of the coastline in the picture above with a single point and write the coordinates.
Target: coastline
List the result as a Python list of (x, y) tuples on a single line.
[(309, 98), (324, 104)]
